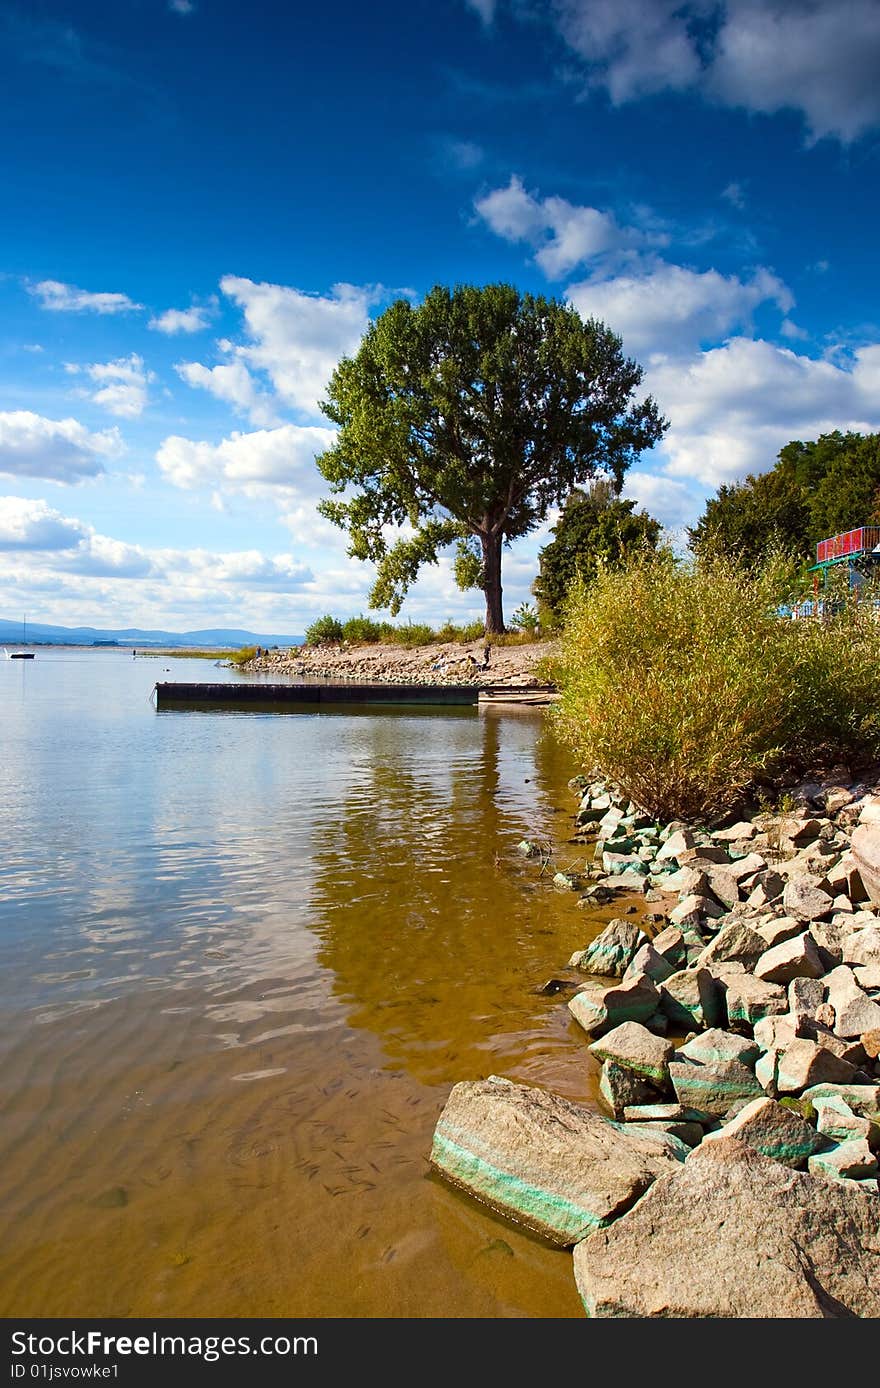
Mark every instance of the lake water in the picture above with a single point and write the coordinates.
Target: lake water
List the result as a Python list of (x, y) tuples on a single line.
[(243, 957)]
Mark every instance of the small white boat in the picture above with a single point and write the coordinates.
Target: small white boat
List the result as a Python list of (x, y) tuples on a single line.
[(20, 655)]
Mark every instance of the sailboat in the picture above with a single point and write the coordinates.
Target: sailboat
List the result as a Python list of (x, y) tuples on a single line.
[(21, 655)]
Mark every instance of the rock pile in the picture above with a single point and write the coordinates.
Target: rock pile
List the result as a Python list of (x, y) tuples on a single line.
[(768, 964), (440, 663)]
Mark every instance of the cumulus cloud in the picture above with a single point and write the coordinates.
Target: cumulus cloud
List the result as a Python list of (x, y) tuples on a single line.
[(297, 338), (181, 320), (59, 450), (732, 408), (564, 235), (33, 525), (67, 298), (671, 502), (281, 458), (818, 57), (234, 384), (672, 309), (122, 385)]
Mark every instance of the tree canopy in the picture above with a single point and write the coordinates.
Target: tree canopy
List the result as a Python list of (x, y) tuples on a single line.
[(596, 529), (814, 490), (463, 420)]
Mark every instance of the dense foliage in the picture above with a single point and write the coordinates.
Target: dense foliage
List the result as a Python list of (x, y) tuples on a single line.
[(815, 490), (683, 683), (596, 529), (463, 420)]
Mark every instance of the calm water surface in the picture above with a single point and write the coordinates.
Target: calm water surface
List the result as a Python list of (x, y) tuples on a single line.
[(242, 959)]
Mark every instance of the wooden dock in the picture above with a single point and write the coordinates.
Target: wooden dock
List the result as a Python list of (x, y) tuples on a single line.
[(269, 696)]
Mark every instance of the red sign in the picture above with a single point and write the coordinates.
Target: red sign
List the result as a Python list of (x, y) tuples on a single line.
[(867, 537)]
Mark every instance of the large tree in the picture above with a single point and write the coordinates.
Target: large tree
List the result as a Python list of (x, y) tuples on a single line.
[(814, 490), (463, 420), (596, 529)]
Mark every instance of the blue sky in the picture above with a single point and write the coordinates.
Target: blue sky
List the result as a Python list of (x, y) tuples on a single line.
[(204, 201)]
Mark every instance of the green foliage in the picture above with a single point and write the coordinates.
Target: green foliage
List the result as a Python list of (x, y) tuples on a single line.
[(470, 631), (814, 490), (242, 656), (682, 683), (361, 630), (326, 628), (596, 529), (525, 618), (465, 419)]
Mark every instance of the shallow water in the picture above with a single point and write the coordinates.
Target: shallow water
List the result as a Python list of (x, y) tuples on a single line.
[(242, 959)]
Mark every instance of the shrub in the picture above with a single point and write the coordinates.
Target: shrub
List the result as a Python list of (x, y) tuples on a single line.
[(525, 618), (682, 683), (324, 629), (360, 630), (243, 655)]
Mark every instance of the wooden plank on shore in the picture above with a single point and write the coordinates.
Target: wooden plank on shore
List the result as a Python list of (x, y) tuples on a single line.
[(234, 695)]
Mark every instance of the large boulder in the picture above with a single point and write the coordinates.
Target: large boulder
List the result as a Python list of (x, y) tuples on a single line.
[(854, 1012), (715, 1046), (542, 1161), (689, 999), (803, 1064), (745, 998), (713, 1088), (805, 899), (735, 942), (735, 1234), (795, 958)]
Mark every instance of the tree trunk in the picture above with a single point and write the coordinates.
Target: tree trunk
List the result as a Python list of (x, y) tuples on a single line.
[(492, 583)]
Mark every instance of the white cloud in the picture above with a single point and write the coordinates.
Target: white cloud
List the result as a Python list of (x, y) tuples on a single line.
[(298, 338), (818, 57), (484, 8), (731, 409), (32, 525), (122, 385), (281, 458), (181, 6), (671, 502), (672, 309), (181, 320), (66, 298), (60, 450), (563, 234), (233, 383), (734, 193)]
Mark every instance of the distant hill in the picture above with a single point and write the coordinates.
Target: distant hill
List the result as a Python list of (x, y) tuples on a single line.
[(11, 632)]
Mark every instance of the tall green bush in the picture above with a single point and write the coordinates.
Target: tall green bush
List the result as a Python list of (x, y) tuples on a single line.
[(682, 682)]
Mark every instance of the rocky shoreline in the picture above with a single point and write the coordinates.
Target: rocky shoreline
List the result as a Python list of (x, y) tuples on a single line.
[(737, 1026), (440, 663)]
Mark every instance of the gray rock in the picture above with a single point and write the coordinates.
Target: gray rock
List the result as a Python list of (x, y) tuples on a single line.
[(805, 900), (692, 910), (541, 1161), (610, 953), (635, 1048), (666, 1113), (736, 941), (630, 881), (690, 999), (794, 958), (747, 999), (599, 1009), (805, 997), (863, 1099), (774, 1131), (686, 882), (852, 1159), (713, 1088), (723, 884), (714, 1046), (689, 1133), (854, 1012), (867, 976), (648, 961), (836, 1121), (735, 1234), (797, 833), (622, 1088), (743, 829), (862, 946), (778, 928), (567, 881), (670, 945), (741, 869), (675, 844), (804, 1064)]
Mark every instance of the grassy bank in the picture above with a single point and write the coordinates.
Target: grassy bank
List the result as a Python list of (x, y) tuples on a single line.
[(364, 631), (236, 657)]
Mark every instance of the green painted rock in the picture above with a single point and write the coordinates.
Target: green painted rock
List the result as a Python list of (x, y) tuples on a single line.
[(713, 1088), (747, 999), (599, 1009), (803, 1064), (620, 1088), (863, 1099), (714, 1046), (543, 1162), (773, 1131), (633, 1047), (611, 952), (690, 999), (851, 1160)]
